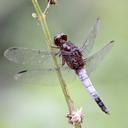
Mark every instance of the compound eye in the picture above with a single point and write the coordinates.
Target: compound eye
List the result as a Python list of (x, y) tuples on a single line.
[(64, 37), (57, 41)]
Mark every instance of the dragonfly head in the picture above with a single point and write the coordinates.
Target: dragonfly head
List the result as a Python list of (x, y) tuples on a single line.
[(60, 38)]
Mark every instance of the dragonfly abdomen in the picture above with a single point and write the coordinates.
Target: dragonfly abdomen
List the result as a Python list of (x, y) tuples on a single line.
[(90, 88)]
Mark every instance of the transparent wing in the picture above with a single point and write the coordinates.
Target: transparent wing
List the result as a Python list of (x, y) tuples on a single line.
[(27, 56), (30, 73), (88, 44), (38, 76), (93, 61), (43, 75), (37, 62)]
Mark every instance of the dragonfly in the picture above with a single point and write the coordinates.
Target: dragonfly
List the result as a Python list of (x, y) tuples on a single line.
[(76, 58)]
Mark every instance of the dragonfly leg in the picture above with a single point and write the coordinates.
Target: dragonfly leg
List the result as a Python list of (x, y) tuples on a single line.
[(58, 53), (85, 59), (55, 47), (63, 61)]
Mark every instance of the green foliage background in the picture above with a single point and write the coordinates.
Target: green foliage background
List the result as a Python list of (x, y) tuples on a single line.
[(37, 101)]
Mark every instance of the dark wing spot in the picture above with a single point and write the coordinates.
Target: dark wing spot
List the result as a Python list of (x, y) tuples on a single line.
[(23, 71), (13, 49)]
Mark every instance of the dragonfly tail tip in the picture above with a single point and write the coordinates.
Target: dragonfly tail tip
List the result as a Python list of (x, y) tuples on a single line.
[(107, 112)]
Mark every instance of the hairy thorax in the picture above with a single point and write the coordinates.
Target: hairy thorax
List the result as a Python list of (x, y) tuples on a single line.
[(72, 56)]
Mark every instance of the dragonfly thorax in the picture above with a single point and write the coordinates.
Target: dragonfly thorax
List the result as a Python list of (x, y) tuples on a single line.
[(66, 46)]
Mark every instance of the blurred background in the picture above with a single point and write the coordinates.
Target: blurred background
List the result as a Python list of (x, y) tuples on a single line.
[(37, 101)]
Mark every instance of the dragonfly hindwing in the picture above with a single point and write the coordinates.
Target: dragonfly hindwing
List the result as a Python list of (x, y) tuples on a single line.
[(93, 61)]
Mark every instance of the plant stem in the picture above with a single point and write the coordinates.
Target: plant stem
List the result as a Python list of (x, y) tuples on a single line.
[(44, 27), (78, 125)]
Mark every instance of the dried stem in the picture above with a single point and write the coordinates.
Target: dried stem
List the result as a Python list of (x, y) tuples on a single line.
[(44, 26)]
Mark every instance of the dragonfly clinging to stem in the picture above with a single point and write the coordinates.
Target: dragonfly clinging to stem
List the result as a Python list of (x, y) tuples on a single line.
[(71, 55)]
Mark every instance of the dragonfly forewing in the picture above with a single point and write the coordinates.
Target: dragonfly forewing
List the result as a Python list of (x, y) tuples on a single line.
[(90, 39), (94, 60), (27, 56)]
